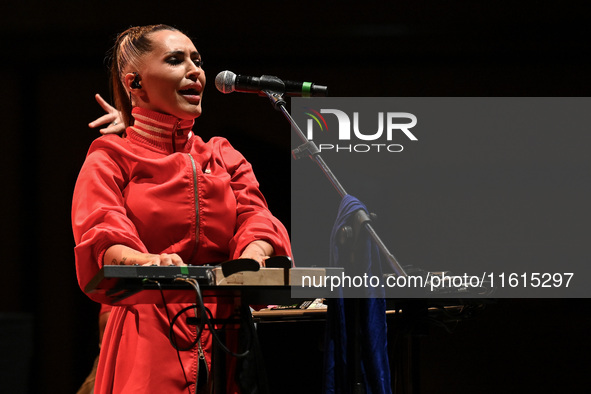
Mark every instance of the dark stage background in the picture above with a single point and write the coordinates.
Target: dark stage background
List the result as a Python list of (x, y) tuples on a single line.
[(53, 62)]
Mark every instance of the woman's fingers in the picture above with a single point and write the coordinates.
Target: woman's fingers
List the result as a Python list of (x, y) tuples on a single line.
[(103, 103), (106, 118), (112, 118), (166, 259)]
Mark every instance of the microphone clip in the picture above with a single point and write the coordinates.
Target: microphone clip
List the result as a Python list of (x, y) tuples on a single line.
[(276, 98), (271, 84)]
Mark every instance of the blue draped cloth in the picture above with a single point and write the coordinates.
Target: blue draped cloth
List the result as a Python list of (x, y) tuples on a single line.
[(338, 363)]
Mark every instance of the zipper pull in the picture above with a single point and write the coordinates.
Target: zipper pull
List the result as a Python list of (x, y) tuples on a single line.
[(200, 350), (202, 371), (177, 128), (176, 131)]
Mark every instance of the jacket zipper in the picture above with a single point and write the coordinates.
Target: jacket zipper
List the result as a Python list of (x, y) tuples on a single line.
[(202, 361), (196, 194)]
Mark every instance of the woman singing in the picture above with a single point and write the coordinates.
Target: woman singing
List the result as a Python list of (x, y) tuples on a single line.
[(161, 195)]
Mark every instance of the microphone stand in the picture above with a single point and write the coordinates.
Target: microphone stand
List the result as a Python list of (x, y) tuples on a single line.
[(309, 147), (361, 219)]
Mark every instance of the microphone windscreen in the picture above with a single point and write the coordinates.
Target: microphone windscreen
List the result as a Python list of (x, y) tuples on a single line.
[(225, 81)]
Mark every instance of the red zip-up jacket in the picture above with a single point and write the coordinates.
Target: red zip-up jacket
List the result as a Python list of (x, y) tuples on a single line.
[(161, 189)]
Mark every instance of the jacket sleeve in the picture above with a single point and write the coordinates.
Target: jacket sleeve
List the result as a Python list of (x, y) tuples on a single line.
[(254, 221), (99, 218)]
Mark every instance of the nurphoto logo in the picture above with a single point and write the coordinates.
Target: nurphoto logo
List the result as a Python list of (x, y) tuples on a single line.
[(359, 127)]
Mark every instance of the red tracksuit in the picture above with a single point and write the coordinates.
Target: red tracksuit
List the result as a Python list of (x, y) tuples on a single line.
[(161, 189)]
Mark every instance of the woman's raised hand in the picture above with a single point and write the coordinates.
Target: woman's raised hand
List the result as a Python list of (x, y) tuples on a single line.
[(112, 118)]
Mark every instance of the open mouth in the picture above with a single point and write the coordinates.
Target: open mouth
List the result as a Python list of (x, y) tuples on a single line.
[(189, 92), (191, 95)]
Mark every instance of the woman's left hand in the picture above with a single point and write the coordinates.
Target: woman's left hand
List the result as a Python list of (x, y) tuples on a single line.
[(258, 251)]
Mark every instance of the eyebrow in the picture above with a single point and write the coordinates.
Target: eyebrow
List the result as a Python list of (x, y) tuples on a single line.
[(179, 52)]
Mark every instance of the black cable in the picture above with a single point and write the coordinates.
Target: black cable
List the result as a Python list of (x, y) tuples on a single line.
[(206, 320), (172, 338), (209, 323)]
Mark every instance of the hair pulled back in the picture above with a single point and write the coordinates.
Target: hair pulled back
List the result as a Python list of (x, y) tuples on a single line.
[(129, 47)]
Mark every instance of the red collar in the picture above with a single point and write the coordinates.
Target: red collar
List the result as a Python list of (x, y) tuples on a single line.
[(164, 132)]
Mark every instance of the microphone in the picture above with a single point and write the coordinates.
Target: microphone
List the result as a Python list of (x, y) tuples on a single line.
[(228, 82)]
